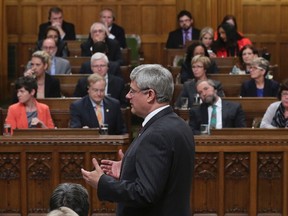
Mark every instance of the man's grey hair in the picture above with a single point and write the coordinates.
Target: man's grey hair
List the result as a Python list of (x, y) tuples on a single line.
[(156, 77), (99, 56)]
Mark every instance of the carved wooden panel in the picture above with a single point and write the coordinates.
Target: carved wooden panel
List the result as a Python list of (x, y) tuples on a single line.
[(205, 183), (10, 172), (39, 168), (70, 167), (270, 174), (237, 174)]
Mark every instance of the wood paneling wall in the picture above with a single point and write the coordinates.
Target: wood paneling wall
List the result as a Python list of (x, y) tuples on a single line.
[(261, 20)]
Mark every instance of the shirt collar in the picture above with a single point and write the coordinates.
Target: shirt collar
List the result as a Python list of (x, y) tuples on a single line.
[(153, 113)]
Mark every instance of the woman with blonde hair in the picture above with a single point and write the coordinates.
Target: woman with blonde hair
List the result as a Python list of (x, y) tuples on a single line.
[(48, 86), (206, 37)]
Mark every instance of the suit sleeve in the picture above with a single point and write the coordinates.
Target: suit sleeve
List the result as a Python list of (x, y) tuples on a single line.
[(240, 120), (148, 186), (75, 117), (11, 118), (194, 121), (243, 90), (48, 119)]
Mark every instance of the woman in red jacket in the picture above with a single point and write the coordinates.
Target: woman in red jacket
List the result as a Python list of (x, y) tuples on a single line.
[(28, 113), (229, 41)]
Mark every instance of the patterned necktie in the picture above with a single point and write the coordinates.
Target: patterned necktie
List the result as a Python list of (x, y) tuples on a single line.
[(99, 114), (213, 120)]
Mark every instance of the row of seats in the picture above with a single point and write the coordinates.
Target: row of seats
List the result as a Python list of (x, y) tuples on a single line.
[(59, 108)]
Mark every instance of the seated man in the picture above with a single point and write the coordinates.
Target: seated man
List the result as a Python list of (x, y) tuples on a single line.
[(115, 85), (214, 111), (98, 32), (71, 195), (58, 65), (115, 31), (178, 38), (95, 109), (67, 30), (113, 66)]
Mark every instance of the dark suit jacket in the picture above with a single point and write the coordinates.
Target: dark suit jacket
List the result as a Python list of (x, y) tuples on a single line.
[(114, 68), (68, 28), (115, 88), (119, 34), (189, 90), (249, 89), (114, 51), (156, 171), (51, 88), (82, 114), (175, 38), (232, 116)]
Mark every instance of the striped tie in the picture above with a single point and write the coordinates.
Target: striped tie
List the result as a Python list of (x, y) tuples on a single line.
[(213, 120)]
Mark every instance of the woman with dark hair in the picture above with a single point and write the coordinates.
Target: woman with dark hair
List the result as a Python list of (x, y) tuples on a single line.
[(276, 116), (62, 48), (259, 85), (229, 42), (245, 57), (28, 113), (196, 48)]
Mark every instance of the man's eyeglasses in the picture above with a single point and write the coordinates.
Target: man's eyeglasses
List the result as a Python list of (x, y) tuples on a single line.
[(97, 31), (99, 66), (133, 92)]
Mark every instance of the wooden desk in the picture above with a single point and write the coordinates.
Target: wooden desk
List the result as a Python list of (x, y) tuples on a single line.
[(248, 131)]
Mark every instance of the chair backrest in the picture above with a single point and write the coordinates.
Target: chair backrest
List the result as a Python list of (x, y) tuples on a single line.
[(134, 43), (74, 47)]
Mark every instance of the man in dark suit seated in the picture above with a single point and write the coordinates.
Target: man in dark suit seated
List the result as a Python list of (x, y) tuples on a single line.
[(178, 38), (98, 32), (115, 85), (116, 32), (67, 30), (113, 66), (96, 109), (214, 111)]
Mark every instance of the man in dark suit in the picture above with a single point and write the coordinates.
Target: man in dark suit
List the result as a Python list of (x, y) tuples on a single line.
[(228, 114), (179, 37), (115, 31), (154, 176), (67, 30), (113, 66), (84, 114), (115, 85), (98, 32)]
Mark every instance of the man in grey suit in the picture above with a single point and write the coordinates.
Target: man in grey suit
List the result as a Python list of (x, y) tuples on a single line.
[(228, 114), (58, 65), (154, 176)]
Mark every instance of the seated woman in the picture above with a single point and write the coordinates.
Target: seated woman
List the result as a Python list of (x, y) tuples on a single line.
[(28, 113), (206, 37), (62, 48), (258, 85), (276, 116), (200, 64), (229, 42), (48, 86), (196, 48), (231, 19), (246, 55)]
